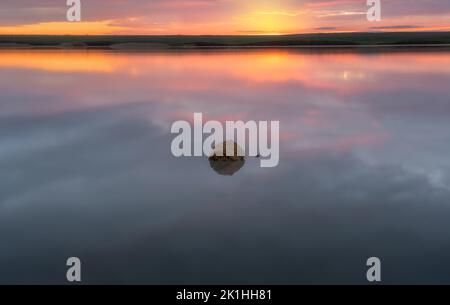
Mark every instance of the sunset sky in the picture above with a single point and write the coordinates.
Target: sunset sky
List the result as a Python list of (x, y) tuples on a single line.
[(220, 16)]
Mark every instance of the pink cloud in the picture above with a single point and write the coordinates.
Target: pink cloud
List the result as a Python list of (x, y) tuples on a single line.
[(229, 16)]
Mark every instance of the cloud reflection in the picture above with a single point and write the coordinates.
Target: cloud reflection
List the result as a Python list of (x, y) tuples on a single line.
[(86, 168)]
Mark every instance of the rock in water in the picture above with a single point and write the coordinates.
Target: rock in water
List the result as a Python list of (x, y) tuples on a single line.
[(227, 164), (220, 152)]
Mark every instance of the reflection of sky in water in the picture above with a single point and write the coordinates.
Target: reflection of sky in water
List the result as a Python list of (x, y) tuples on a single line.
[(86, 168)]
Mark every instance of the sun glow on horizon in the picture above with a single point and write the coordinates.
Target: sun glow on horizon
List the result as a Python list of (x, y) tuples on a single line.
[(227, 17), (271, 22)]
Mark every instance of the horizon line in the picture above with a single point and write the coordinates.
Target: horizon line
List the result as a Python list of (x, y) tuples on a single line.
[(244, 35)]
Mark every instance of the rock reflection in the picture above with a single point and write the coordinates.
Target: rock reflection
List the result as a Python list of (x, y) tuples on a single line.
[(226, 167), (227, 158)]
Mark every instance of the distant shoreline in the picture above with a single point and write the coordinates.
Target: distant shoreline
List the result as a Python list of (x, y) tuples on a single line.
[(142, 48), (325, 40)]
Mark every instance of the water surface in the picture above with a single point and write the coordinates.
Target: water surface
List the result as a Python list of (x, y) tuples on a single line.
[(86, 168)]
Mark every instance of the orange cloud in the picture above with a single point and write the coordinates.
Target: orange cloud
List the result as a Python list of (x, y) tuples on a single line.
[(62, 28), (220, 17)]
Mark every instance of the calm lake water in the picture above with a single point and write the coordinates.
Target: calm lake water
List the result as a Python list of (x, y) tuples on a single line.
[(86, 168)]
